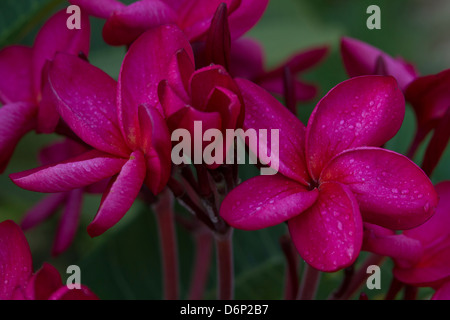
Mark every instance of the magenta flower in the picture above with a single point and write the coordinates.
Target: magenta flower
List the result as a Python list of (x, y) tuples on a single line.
[(124, 24), (430, 98), (361, 59), (421, 254), (247, 61), (332, 175), (120, 121), (26, 103), (71, 201), (16, 272)]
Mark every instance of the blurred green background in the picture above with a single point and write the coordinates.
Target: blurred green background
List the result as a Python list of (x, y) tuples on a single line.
[(124, 263)]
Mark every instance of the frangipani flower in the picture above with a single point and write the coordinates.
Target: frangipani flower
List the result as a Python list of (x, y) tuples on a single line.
[(421, 254), (71, 201), (124, 24), (361, 59), (120, 121), (332, 175), (16, 272), (26, 102)]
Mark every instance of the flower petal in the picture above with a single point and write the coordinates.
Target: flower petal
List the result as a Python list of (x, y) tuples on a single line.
[(392, 191), (64, 293), (443, 293), (99, 8), (15, 259), (142, 70), (43, 210), (329, 234), (263, 111), (74, 173), (15, 75), (120, 195), (43, 283), (53, 37), (363, 111), (246, 16), (247, 58), (125, 25), (68, 224), (86, 102), (361, 59), (265, 201), (16, 119)]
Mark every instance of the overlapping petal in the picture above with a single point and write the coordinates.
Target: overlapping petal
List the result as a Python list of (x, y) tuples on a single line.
[(265, 201), (392, 191), (99, 8), (43, 283), (329, 234), (77, 172), (363, 111), (43, 210)]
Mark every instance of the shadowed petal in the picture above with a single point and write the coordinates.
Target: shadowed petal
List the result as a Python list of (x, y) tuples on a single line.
[(120, 195), (15, 75), (125, 25), (265, 201), (443, 293), (86, 102), (68, 224), (392, 191), (99, 8), (247, 58), (263, 111), (43, 210), (43, 283), (361, 59), (303, 91), (142, 70), (64, 293), (363, 111), (53, 37), (16, 119), (15, 259), (74, 173), (329, 234)]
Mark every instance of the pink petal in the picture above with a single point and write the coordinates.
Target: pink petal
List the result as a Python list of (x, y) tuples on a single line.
[(120, 196), (48, 116), (60, 151), (246, 16), (55, 37), (125, 25), (362, 111), (443, 293), (142, 70), (15, 75), (87, 103), (15, 259), (361, 59), (218, 40), (99, 8), (68, 224), (64, 293), (263, 111), (43, 210), (392, 191), (16, 119), (81, 171), (329, 234), (303, 91), (265, 201), (247, 58), (43, 283), (157, 148), (437, 226)]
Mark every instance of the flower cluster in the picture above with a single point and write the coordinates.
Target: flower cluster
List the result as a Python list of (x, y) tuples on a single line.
[(337, 188)]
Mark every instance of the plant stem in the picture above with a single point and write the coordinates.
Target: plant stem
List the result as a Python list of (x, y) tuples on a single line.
[(225, 270), (169, 251), (203, 244), (310, 283), (292, 264)]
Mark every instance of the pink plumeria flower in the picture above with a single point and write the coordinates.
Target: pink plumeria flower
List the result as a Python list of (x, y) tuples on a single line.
[(26, 103), (247, 61), (421, 254), (124, 24), (70, 201), (120, 121), (16, 272), (430, 98), (360, 59), (332, 175)]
